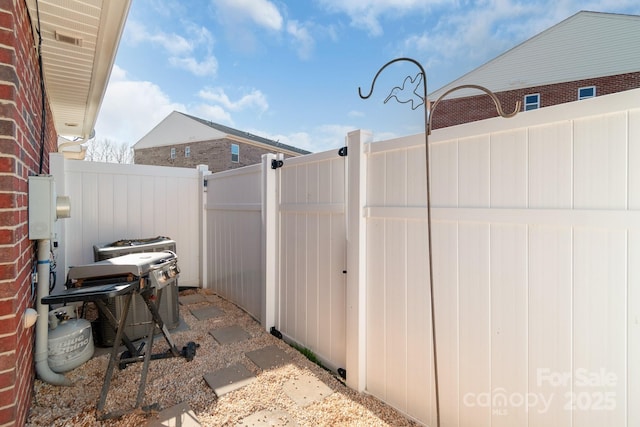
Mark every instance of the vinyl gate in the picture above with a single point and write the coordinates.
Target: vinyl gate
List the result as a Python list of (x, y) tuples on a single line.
[(234, 236), (312, 254)]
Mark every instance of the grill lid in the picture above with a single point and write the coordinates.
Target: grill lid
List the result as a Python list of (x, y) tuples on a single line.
[(137, 264)]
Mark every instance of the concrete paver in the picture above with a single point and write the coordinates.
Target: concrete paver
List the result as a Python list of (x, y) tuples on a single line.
[(229, 379), (268, 419), (306, 390), (180, 415), (206, 312), (230, 334), (268, 357), (191, 299)]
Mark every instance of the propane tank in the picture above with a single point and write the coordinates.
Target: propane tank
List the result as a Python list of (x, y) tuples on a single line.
[(70, 341)]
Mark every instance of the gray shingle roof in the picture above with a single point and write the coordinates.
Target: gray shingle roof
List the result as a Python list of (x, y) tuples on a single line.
[(235, 132)]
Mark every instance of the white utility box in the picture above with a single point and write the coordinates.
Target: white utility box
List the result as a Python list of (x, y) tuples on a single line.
[(45, 207)]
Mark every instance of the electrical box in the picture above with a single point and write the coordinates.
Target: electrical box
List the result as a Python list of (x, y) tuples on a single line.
[(45, 207)]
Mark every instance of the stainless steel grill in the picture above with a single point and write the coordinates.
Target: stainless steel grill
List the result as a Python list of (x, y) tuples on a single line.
[(145, 274)]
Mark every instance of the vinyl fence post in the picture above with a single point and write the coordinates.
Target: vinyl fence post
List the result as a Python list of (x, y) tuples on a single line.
[(57, 167), (269, 242), (356, 262), (203, 172)]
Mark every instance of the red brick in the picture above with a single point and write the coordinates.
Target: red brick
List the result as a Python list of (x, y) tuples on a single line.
[(9, 218), (7, 361), (9, 254), (8, 182), (8, 343), (7, 271), (7, 306), (20, 126), (8, 397), (7, 415), (6, 234), (8, 378), (456, 111), (9, 325), (8, 200)]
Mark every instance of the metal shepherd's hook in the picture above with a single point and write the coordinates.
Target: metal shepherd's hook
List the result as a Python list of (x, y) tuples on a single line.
[(406, 93), (394, 94)]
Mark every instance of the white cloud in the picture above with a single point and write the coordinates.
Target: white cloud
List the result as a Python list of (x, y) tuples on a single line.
[(302, 38), (215, 113), (172, 43), (355, 113), (254, 99), (321, 138), (261, 12), (130, 109), (207, 67), (182, 51), (365, 14)]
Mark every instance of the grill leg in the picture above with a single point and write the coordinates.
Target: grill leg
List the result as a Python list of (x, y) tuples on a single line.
[(114, 353), (157, 320), (145, 365)]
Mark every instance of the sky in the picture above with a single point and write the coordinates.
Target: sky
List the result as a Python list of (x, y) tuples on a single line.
[(289, 70)]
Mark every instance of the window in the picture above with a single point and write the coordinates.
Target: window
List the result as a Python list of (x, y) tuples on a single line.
[(187, 151), (586, 92), (173, 153), (531, 102), (235, 153)]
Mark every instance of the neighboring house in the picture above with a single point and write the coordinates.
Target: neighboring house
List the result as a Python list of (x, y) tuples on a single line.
[(77, 53), (187, 141), (588, 54)]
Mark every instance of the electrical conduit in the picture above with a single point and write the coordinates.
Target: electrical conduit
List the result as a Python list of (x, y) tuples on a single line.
[(42, 325)]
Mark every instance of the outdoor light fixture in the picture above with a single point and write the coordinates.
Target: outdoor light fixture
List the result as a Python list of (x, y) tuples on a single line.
[(409, 93)]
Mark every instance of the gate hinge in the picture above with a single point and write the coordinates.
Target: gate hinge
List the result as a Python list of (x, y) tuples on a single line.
[(276, 333), (275, 164), (343, 373), (342, 152)]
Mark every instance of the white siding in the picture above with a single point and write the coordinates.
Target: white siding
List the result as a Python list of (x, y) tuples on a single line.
[(585, 45)]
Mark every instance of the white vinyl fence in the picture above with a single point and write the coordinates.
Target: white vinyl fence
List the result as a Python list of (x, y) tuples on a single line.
[(110, 202), (536, 242), (234, 237), (311, 291)]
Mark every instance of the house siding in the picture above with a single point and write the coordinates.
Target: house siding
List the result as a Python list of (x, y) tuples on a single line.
[(215, 154), (20, 125), (451, 112)]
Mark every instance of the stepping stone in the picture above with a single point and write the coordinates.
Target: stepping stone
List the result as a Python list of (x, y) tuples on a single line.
[(230, 334), (306, 390), (191, 299), (268, 357), (206, 312), (180, 415), (267, 419), (229, 379)]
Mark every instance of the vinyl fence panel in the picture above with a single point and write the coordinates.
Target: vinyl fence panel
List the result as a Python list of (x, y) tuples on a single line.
[(110, 202), (535, 238)]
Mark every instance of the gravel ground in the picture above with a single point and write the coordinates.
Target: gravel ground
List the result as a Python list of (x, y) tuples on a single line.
[(173, 381)]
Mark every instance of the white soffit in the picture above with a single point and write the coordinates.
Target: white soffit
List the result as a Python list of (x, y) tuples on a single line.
[(79, 43)]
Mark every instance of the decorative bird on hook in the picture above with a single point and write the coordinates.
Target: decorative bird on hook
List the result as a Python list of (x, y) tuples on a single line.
[(408, 92)]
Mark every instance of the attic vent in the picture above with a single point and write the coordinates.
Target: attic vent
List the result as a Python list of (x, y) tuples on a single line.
[(67, 38)]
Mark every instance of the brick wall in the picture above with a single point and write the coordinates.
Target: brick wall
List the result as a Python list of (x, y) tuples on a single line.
[(216, 154), (20, 129), (455, 111)]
